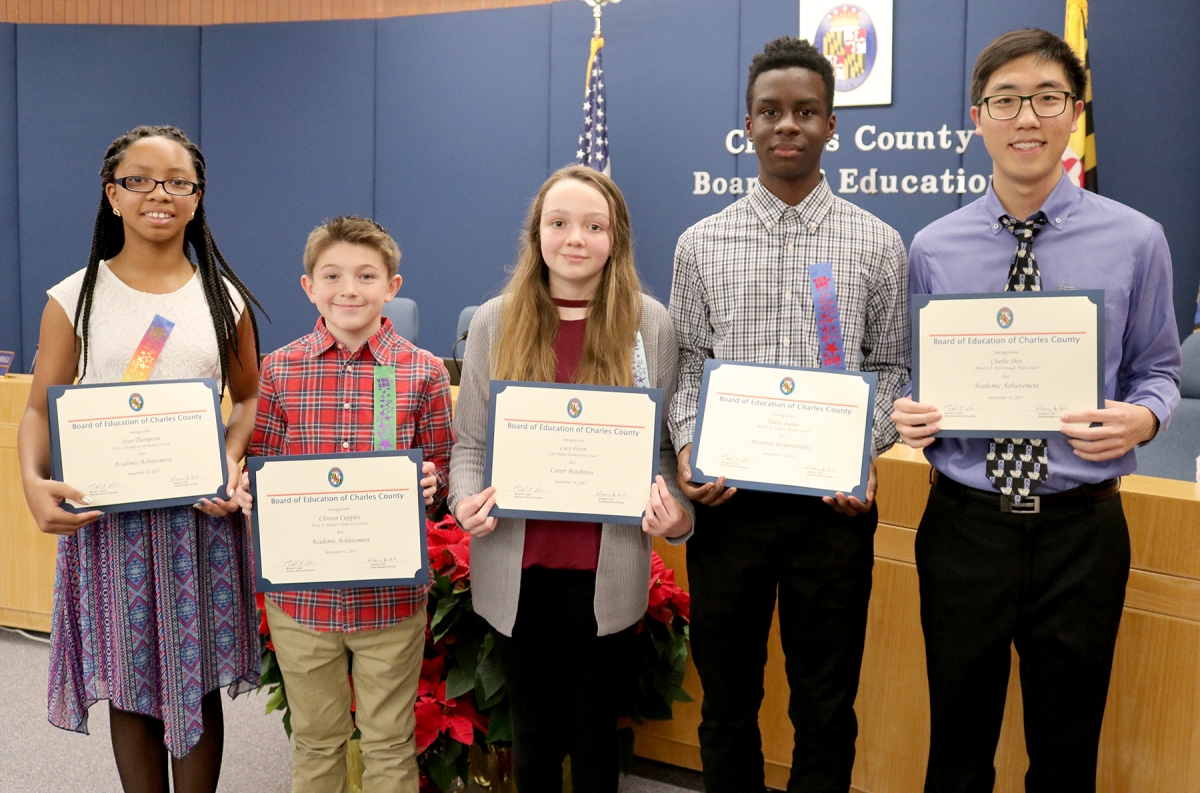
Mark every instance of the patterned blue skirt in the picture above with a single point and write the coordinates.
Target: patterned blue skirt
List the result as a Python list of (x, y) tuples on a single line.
[(153, 610)]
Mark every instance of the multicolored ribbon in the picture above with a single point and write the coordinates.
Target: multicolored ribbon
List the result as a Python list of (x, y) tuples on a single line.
[(829, 323), (385, 408), (146, 354)]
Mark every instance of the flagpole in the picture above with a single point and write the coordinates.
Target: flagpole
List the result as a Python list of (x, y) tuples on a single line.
[(597, 10)]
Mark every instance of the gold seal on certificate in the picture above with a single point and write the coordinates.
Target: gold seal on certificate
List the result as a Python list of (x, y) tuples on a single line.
[(338, 521), (572, 452), (784, 429), (1009, 363), (138, 445)]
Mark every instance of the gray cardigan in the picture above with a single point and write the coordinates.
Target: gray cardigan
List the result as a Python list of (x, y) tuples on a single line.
[(623, 571)]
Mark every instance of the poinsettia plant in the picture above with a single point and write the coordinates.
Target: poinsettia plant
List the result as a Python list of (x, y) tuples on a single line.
[(461, 697)]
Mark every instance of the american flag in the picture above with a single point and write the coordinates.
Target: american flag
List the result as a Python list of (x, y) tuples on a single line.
[(593, 133)]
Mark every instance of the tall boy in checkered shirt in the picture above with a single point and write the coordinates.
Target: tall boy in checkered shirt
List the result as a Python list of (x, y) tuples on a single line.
[(741, 292), (316, 397)]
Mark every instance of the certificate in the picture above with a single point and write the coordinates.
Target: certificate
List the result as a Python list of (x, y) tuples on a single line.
[(338, 521), (138, 445), (1010, 363), (572, 452), (783, 429)]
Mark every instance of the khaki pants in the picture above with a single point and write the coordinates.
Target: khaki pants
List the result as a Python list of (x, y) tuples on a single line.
[(387, 667)]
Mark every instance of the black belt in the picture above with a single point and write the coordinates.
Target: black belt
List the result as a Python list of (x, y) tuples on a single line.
[(1030, 505)]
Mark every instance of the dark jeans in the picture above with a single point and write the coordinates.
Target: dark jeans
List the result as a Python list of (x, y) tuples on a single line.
[(1053, 584), (563, 682), (820, 562)]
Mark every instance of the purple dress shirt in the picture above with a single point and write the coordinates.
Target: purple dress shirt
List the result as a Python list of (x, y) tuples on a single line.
[(1090, 242)]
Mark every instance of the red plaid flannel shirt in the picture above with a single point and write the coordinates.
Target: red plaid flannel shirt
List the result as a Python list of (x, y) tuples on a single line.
[(316, 396)]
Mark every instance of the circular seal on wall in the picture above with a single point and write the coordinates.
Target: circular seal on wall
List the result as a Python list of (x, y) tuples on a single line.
[(1004, 317), (846, 36), (574, 408), (136, 402), (335, 477), (787, 385)]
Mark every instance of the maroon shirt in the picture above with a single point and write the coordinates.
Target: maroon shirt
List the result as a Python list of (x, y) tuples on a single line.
[(561, 544)]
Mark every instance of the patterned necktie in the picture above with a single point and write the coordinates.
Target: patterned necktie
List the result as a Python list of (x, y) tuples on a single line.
[(1018, 465)]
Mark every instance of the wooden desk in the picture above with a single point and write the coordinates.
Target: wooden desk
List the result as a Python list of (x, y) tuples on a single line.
[(1150, 740), (26, 555)]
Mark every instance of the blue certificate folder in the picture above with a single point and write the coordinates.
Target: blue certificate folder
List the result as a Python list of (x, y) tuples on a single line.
[(859, 491), (420, 577), (919, 302), (55, 392), (499, 386)]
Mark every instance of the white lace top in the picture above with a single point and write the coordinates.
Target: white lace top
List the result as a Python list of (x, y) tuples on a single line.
[(121, 314)]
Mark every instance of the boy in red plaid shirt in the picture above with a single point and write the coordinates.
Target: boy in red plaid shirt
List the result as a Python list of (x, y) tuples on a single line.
[(316, 397)]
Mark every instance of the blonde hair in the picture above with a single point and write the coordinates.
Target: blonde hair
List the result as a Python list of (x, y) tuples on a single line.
[(356, 231), (529, 318)]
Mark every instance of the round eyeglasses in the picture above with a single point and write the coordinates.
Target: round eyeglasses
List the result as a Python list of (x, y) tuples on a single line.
[(1046, 104), (144, 184)]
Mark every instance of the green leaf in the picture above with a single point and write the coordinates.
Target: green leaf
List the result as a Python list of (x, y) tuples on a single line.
[(489, 675), (499, 723), (276, 700), (442, 768), (445, 607), (459, 681)]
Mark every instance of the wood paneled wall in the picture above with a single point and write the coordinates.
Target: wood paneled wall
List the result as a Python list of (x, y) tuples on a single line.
[(217, 12)]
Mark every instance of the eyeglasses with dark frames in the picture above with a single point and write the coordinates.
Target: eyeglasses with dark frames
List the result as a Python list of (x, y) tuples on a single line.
[(144, 184), (1045, 104)]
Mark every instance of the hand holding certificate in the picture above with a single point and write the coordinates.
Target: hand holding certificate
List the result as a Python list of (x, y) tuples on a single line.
[(1010, 363), (784, 430), (345, 521), (138, 445), (572, 452)]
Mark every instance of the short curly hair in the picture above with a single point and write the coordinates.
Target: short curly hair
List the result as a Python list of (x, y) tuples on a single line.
[(786, 52)]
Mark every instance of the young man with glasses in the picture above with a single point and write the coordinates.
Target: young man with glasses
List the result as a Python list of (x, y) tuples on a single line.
[(1042, 562)]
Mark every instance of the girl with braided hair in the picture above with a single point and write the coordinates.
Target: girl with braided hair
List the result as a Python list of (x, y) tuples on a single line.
[(153, 609)]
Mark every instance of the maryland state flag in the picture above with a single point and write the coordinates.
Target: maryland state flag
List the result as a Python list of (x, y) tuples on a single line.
[(1080, 157)]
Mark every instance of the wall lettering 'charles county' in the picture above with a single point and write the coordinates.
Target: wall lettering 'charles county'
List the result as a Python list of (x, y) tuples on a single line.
[(852, 180)]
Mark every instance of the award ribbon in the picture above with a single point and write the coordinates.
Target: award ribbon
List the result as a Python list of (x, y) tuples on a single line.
[(146, 354), (829, 323), (641, 372), (385, 408)]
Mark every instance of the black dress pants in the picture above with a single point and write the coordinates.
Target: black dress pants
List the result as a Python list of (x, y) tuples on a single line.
[(820, 563), (563, 684), (1053, 584)]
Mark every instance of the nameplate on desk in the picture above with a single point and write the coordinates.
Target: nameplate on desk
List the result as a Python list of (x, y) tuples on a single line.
[(6, 359)]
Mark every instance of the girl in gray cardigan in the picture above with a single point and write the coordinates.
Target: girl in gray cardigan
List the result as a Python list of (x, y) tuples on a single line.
[(564, 597)]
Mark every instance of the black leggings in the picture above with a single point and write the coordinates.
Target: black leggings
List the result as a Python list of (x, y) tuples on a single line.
[(564, 684), (137, 742)]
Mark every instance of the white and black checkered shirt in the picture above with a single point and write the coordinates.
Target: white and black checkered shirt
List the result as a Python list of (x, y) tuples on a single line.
[(741, 292)]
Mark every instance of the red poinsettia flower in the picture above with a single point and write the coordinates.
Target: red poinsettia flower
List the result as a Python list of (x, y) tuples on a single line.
[(449, 550), (437, 715), (666, 598)]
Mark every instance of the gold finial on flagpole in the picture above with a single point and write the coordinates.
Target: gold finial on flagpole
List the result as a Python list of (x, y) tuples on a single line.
[(597, 10)]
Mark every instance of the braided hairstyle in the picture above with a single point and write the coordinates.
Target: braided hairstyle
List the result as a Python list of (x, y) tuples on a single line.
[(108, 238)]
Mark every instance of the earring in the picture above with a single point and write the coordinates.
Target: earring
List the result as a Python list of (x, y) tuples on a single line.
[(193, 214), (116, 212)]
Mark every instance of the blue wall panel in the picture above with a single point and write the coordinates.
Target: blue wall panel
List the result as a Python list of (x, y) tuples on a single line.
[(1146, 115), (289, 137), (10, 258), (78, 88), (671, 68), (460, 151)]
